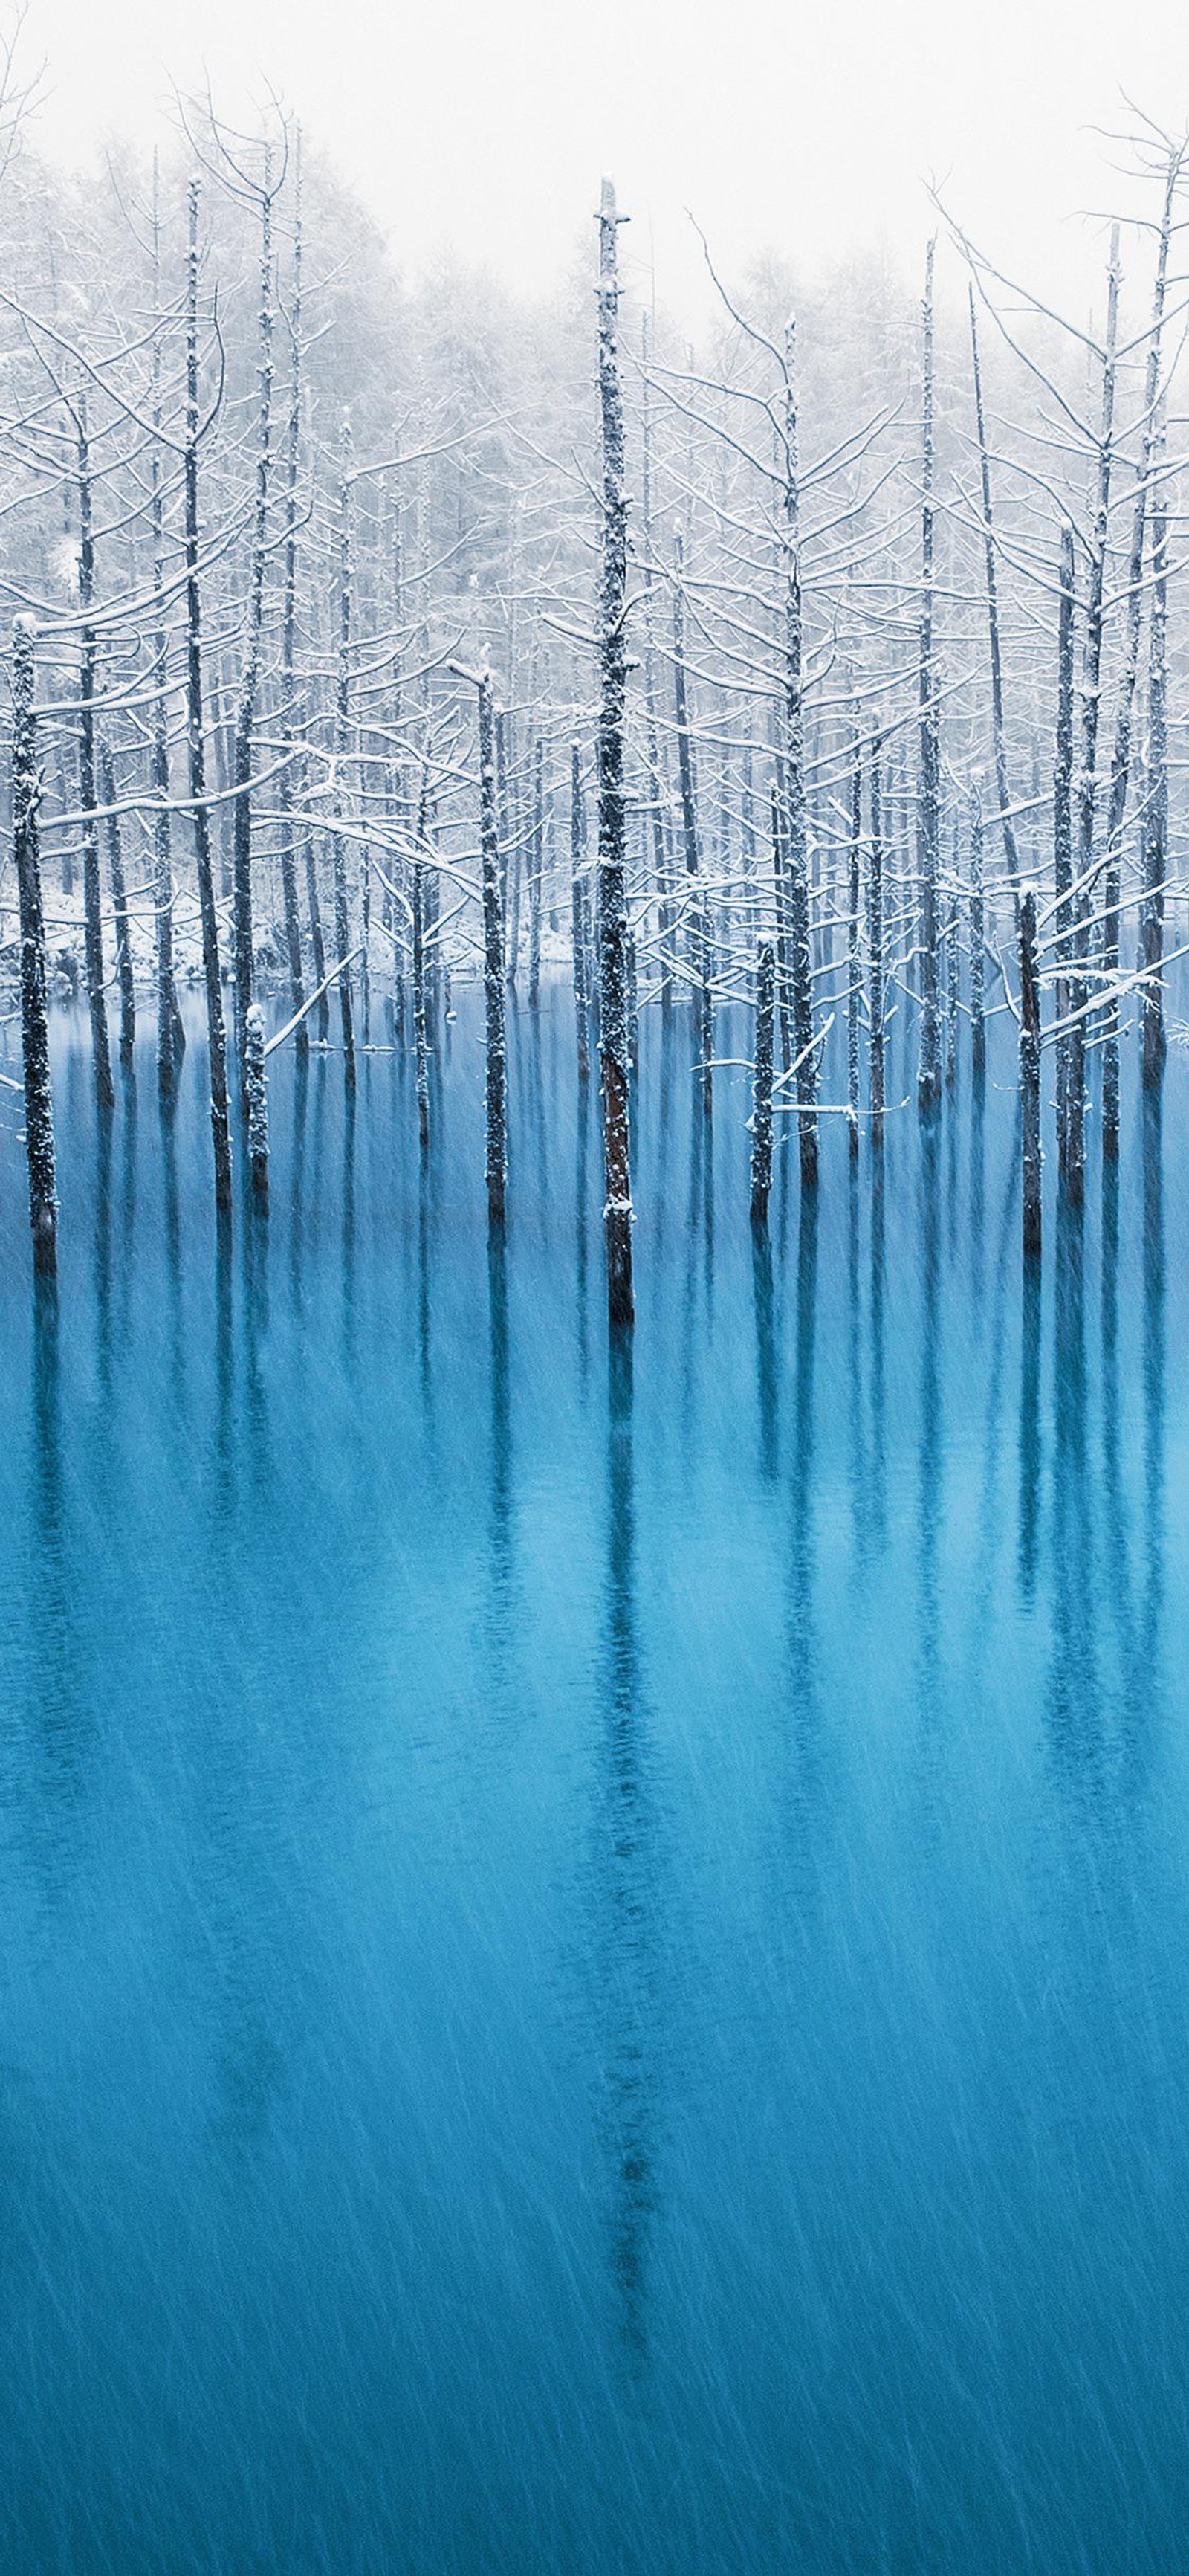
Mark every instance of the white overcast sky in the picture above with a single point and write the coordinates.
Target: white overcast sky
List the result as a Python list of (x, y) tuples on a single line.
[(803, 128)]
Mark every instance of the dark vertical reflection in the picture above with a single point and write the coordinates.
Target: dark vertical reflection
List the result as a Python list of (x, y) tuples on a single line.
[(500, 1465), (860, 1496), (801, 1602), (930, 1444), (172, 1229), (767, 1383), (978, 1184), (224, 1365), (297, 1154), (254, 1235), (1115, 1515), (424, 1307), (1148, 1696), (1030, 1442), (350, 1281), (1072, 1704), (60, 1724), (581, 1232), (102, 1255), (128, 1179), (878, 1483), (627, 1880)]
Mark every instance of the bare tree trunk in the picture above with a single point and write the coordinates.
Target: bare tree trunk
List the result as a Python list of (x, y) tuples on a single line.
[(978, 944), (288, 649), (579, 935), (493, 967), (1030, 1073), (699, 923), (1010, 851), (1156, 818), (170, 1034), (875, 957), (854, 966), (250, 679), (929, 815), (342, 735), (220, 1122), (119, 899), (1071, 1061), (761, 1113), (793, 798), (39, 1115), (420, 1042), (256, 1094), (105, 1092), (613, 1034), (538, 863)]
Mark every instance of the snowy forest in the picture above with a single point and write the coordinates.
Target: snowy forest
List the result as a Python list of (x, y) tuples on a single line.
[(594, 904), (367, 643)]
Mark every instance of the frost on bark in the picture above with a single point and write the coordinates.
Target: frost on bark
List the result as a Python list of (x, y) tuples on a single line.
[(256, 1094), (196, 748), (929, 816), (580, 939), (1071, 909), (993, 636), (538, 867), (761, 1114), (342, 737), (170, 1034), (420, 1040), (1155, 839), (496, 1156), (854, 966), (39, 1116), (875, 951), (288, 648), (92, 902), (793, 795), (1030, 1072), (613, 1021), (699, 926), (978, 943), (119, 902), (245, 722)]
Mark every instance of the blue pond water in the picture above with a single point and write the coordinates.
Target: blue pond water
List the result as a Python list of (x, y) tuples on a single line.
[(594, 1954)]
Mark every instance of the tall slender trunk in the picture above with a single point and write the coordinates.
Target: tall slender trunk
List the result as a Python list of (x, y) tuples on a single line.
[(496, 1139), (119, 900), (1071, 910), (170, 1035), (929, 810), (39, 1115), (794, 777), (761, 1112), (875, 956), (613, 1030), (854, 968), (1096, 585), (216, 1030), (420, 1041), (250, 678), (699, 940), (1030, 1073), (579, 932), (105, 1092), (1007, 827), (289, 647), (538, 864), (978, 944), (1155, 847), (342, 737)]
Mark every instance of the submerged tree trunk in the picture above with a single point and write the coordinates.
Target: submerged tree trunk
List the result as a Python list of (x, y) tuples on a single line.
[(761, 1114), (1155, 844), (978, 944), (699, 926), (216, 1030), (170, 1035), (929, 814), (245, 723), (256, 1094), (996, 656), (613, 1031), (39, 1116), (288, 652), (578, 908), (854, 970), (342, 931), (493, 967), (119, 900), (1071, 1060), (1030, 1072), (420, 1042), (793, 797), (875, 960), (105, 1092)]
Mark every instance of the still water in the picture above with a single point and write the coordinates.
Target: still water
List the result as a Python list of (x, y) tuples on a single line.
[(595, 1951)]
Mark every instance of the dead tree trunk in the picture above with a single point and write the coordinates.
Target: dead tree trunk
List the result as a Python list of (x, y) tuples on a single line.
[(288, 651), (216, 1030), (578, 909), (793, 798), (875, 958), (854, 967), (119, 901), (1030, 1073), (493, 967), (761, 1112), (929, 814), (245, 723), (1007, 827), (105, 1092), (39, 1115), (613, 1027), (1156, 818), (170, 1035), (342, 736)]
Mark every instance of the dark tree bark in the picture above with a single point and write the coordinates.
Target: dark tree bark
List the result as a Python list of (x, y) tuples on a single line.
[(105, 1092), (493, 966), (1030, 1073), (39, 1116), (613, 1032), (119, 899), (216, 1029), (875, 956), (929, 811), (761, 1113)]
